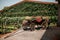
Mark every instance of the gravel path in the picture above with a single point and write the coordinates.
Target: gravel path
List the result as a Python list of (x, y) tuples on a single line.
[(27, 35)]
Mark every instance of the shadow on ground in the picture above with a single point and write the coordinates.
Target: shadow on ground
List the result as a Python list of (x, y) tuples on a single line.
[(52, 34)]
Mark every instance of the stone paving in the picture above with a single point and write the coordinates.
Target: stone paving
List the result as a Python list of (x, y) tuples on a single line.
[(27, 35), (49, 34)]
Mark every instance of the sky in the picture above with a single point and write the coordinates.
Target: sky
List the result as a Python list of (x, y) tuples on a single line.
[(4, 3)]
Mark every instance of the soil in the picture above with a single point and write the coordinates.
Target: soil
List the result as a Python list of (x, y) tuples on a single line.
[(4, 35)]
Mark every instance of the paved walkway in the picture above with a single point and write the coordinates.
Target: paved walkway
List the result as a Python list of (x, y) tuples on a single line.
[(49, 34), (26, 35)]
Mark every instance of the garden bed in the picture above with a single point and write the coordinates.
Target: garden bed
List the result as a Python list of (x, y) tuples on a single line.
[(7, 34)]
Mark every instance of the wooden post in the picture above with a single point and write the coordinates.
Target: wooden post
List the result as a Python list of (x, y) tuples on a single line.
[(58, 15), (58, 23)]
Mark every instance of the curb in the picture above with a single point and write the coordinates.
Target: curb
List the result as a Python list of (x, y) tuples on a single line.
[(11, 34)]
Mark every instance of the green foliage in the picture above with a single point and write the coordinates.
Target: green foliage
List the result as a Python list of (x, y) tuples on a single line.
[(16, 14), (53, 19), (9, 23), (30, 9)]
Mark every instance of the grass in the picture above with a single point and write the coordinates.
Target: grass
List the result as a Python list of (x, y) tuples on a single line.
[(9, 28), (53, 25)]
